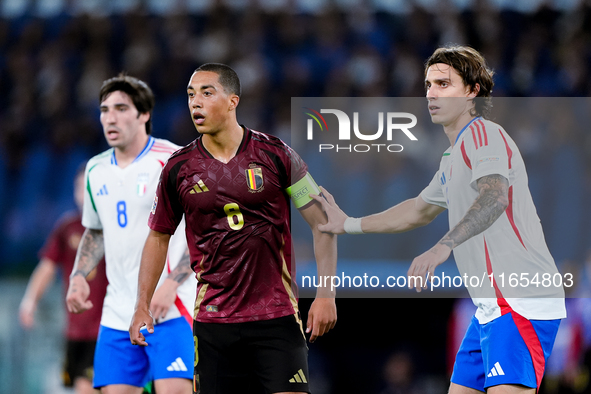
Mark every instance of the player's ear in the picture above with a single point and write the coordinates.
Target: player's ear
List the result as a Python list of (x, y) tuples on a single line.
[(234, 100), (474, 90), (145, 117)]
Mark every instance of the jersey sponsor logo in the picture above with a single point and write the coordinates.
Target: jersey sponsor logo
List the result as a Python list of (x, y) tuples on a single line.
[(211, 308), (142, 183), (496, 371), (102, 191), (254, 178), (299, 377), (199, 188)]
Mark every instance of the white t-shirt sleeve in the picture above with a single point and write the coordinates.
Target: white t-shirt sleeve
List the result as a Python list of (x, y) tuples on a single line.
[(488, 153), (433, 194), (90, 217)]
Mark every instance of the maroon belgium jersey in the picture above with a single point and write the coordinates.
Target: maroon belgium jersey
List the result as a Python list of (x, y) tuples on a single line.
[(238, 226), (61, 247)]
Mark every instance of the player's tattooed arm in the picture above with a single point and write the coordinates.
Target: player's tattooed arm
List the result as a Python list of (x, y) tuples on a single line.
[(90, 252), (182, 270), (486, 209)]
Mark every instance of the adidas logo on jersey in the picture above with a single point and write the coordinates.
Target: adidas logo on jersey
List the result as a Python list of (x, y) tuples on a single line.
[(496, 370), (199, 187), (177, 365), (299, 377), (103, 191)]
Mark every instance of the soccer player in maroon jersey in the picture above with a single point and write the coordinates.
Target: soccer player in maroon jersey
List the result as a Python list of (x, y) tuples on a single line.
[(59, 252), (233, 186)]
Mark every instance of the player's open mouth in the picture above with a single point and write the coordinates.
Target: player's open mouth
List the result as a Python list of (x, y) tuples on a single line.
[(433, 109), (112, 134), (198, 118)]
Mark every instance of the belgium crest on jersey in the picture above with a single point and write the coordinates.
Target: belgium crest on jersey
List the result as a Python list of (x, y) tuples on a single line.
[(254, 178)]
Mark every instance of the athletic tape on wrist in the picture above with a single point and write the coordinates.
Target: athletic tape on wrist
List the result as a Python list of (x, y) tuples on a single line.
[(353, 226)]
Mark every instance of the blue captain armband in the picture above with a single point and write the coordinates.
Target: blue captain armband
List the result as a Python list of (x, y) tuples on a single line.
[(300, 191)]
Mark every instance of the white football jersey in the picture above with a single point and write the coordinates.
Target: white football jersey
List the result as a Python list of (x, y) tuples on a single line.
[(118, 201), (512, 251)]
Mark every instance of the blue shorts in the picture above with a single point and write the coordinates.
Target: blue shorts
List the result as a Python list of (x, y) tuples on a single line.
[(507, 350), (169, 354)]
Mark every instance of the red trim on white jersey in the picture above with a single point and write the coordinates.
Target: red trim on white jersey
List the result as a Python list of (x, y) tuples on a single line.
[(465, 155), (509, 210), (163, 148), (478, 128), (481, 123), (501, 301), (509, 151)]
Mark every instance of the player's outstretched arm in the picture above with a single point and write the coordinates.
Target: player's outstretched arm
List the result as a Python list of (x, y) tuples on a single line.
[(42, 276), (405, 216), (166, 294), (486, 209), (151, 266), (90, 252), (322, 316)]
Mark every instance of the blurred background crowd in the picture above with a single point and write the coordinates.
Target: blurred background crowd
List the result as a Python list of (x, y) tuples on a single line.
[(54, 55)]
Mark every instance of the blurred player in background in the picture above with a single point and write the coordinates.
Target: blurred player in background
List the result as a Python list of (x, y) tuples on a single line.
[(233, 186), (120, 186), (494, 230), (59, 253)]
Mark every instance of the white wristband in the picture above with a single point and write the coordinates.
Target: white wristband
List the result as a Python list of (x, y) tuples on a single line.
[(353, 226)]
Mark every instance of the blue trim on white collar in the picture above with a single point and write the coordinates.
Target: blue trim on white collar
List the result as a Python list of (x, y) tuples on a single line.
[(465, 127), (144, 151)]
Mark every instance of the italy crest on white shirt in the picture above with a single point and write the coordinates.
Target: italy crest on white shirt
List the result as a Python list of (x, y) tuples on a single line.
[(142, 183)]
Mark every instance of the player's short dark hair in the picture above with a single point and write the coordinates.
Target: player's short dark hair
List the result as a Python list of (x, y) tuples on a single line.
[(226, 76), (138, 91), (472, 67)]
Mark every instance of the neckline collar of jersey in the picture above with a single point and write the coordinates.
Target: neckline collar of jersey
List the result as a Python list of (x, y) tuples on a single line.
[(465, 127), (241, 148), (144, 151)]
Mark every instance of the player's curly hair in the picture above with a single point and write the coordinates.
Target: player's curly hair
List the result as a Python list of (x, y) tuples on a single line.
[(226, 76), (140, 93), (472, 67)]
